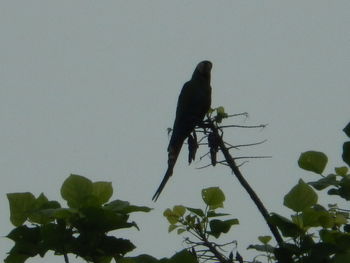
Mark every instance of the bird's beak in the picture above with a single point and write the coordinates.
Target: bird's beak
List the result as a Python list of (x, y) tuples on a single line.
[(204, 67)]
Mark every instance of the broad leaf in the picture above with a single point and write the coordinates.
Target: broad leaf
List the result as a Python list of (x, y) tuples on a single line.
[(172, 217), (103, 220), (183, 257), (172, 227), (179, 210), (124, 207), (301, 196), (262, 248), (139, 259), (341, 257), (346, 153), (342, 171), (264, 239), (196, 211), (218, 227), (324, 182), (311, 217), (213, 197), (344, 190), (313, 161), (103, 191), (21, 205), (77, 191), (287, 227), (347, 130)]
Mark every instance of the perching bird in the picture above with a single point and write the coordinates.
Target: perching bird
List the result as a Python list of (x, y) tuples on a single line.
[(193, 103)]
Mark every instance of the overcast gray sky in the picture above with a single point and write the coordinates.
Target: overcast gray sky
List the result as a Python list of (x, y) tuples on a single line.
[(89, 87)]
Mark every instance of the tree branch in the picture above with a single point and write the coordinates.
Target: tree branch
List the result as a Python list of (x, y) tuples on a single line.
[(231, 162)]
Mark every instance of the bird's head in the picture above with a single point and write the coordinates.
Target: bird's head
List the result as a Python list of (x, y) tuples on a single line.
[(204, 67)]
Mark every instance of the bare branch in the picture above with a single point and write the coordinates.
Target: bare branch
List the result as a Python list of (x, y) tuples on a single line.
[(231, 162), (243, 126), (245, 145)]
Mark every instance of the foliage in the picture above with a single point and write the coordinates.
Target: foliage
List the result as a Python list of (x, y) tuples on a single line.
[(316, 233), (203, 224), (313, 233), (81, 228), (181, 257)]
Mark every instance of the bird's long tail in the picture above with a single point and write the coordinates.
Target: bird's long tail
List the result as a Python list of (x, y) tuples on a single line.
[(173, 152), (162, 184)]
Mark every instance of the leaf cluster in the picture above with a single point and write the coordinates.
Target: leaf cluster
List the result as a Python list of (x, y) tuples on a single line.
[(202, 224), (81, 228), (316, 233)]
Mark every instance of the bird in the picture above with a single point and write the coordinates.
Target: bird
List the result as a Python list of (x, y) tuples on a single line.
[(193, 103)]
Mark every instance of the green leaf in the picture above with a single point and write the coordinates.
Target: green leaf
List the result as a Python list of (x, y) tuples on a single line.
[(183, 257), (172, 227), (196, 211), (112, 246), (179, 210), (342, 171), (340, 219), (213, 197), (337, 238), (287, 227), (25, 233), (264, 239), (262, 248), (21, 205), (66, 214), (301, 196), (328, 236), (16, 258), (77, 191), (42, 212), (220, 114), (172, 217), (324, 182), (313, 161), (139, 259), (102, 220), (321, 252), (191, 219), (218, 227), (124, 207), (347, 130), (180, 231), (346, 153), (341, 257), (220, 110), (344, 189), (326, 220), (103, 191), (26, 240), (53, 236), (311, 217)]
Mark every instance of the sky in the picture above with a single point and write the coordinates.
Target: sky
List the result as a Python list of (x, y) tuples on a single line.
[(90, 88)]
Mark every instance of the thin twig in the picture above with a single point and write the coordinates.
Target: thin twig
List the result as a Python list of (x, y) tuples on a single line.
[(245, 145), (223, 162), (243, 126), (245, 114), (251, 157), (239, 165)]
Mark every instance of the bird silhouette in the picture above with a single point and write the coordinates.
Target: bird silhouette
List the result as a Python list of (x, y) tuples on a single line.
[(193, 103)]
